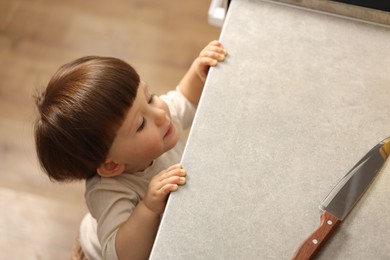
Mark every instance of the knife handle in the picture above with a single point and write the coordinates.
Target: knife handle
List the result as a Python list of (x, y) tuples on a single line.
[(318, 238)]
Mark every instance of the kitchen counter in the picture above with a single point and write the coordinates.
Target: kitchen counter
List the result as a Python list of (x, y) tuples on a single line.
[(300, 99)]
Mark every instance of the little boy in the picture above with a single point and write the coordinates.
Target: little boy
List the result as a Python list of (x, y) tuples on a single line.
[(99, 122)]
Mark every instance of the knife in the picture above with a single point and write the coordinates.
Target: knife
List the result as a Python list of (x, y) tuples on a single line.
[(343, 197)]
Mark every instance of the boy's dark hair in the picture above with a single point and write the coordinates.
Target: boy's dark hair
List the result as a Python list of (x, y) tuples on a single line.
[(83, 106)]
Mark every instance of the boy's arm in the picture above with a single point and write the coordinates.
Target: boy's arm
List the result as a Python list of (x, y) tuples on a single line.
[(193, 81), (135, 237)]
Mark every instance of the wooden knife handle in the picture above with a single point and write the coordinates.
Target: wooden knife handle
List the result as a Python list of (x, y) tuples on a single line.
[(318, 238)]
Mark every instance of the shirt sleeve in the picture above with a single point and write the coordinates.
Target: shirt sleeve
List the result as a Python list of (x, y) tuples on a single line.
[(180, 107), (110, 216)]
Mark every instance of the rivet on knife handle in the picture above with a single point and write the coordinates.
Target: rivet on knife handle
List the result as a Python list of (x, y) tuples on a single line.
[(314, 242)]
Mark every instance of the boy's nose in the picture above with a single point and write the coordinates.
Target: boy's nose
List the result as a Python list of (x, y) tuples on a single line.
[(160, 116)]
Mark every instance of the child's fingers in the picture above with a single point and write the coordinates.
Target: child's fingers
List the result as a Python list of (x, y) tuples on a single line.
[(175, 166), (212, 54), (173, 180), (165, 190), (173, 172), (166, 185), (211, 48), (215, 49), (215, 43), (216, 46), (171, 184), (207, 61), (162, 184)]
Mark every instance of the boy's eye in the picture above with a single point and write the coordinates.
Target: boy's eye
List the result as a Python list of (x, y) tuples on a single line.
[(142, 126), (151, 99)]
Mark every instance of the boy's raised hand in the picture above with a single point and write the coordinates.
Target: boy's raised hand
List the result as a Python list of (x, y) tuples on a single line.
[(213, 53), (191, 85), (161, 185)]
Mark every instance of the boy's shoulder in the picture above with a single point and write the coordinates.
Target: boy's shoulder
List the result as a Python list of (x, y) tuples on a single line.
[(180, 107)]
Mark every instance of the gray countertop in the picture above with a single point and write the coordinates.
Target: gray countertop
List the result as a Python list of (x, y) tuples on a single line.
[(300, 99)]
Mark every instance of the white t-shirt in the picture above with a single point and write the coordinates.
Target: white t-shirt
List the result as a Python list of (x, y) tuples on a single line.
[(111, 200)]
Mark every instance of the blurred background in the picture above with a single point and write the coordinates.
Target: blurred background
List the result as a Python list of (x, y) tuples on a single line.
[(40, 219)]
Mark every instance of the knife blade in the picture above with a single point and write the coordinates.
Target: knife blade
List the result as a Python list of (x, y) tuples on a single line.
[(343, 197)]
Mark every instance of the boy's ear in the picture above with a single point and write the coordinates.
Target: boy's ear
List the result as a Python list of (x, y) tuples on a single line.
[(110, 169)]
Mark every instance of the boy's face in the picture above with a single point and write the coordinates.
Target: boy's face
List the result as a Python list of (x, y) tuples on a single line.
[(146, 133)]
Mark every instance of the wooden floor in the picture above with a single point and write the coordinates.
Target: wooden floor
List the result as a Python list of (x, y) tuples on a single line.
[(39, 219)]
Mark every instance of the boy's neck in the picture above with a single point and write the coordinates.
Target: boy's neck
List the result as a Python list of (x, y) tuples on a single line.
[(138, 168)]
